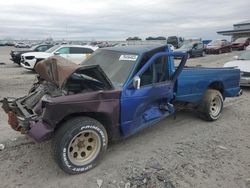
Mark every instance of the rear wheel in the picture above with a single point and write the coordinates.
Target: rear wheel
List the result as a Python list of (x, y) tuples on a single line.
[(79, 144), (211, 106)]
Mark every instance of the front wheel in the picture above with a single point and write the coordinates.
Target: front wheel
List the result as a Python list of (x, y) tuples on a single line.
[(211, 106), (79, 144)]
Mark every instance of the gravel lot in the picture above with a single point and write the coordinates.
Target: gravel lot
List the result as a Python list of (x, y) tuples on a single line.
[(185, 152)]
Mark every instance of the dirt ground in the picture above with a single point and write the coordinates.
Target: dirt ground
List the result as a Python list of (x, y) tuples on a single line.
[(185, 152)]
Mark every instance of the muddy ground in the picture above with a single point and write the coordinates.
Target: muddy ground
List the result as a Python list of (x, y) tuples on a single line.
[(185, 152)]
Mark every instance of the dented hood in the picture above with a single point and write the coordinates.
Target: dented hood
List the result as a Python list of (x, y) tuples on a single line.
[(57, 70)]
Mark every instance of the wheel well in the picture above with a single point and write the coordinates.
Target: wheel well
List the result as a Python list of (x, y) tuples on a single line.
[(218, 86), (101, 117)]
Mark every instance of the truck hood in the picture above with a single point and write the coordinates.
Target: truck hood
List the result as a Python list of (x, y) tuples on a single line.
[(243, 65), (42, 55), (59, 70)]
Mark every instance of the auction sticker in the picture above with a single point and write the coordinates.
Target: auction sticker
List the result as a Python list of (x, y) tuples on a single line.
[(128, 57)]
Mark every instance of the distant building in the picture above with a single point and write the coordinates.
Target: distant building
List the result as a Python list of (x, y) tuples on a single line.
[(241, 29)]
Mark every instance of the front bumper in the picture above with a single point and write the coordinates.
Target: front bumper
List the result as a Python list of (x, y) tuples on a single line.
[(23, 120), (245, 81), (15, 58), (28, 64), (238, 47), (212, 51)]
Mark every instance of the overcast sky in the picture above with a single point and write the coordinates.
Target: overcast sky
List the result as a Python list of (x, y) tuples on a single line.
[(115, 19)]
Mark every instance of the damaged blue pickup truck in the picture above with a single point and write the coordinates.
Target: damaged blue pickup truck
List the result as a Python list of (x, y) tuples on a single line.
[(114, 93)]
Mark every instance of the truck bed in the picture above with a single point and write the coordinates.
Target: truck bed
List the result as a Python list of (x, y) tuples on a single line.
[(194, 81)]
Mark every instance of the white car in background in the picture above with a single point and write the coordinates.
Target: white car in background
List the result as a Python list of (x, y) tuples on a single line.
[(242, 62), (75, 53), (22, 45)]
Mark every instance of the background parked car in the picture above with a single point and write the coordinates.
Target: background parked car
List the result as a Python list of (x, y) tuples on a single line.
[(242, 62), (75, 53), (22, 45), (16, 54), (175, 41), (9, 43), (241, 43), (218, 46), (206, 42), (193, 49)]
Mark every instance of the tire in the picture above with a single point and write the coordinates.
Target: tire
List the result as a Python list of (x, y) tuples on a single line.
[(211, 105), (79, 144), (203, 54)]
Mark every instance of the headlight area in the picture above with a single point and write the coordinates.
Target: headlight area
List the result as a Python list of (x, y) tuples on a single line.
[(29, 57), (45, 100)]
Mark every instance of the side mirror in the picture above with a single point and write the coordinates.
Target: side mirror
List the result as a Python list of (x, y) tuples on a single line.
[(235, 57), (57, 53), (137, 82)]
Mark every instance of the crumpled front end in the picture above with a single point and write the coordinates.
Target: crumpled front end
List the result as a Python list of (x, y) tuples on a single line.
[(25, 113), (59, 81)]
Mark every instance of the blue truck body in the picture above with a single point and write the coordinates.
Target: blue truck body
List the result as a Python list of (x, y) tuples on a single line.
[(193, 82), (140, 108)]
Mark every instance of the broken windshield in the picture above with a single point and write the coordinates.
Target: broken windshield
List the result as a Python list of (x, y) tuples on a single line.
[(116, 65)]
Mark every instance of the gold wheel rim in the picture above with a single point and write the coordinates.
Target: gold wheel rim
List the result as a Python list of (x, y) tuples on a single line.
[(84, 147)]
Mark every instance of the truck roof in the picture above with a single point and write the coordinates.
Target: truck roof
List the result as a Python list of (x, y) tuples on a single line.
[(135, 49)]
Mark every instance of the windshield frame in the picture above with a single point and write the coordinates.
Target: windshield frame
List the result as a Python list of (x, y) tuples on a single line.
[(53, 49), (34, 47)]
